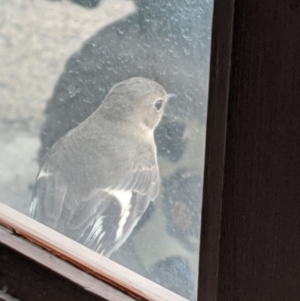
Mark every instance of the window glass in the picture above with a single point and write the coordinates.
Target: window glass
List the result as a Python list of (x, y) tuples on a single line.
[(59, 60)]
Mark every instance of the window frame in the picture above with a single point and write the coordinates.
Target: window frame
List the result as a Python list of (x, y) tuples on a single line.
[(30, 272), (250, 223)]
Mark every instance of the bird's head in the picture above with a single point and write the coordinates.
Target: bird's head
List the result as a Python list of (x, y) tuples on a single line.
[(137, 100)]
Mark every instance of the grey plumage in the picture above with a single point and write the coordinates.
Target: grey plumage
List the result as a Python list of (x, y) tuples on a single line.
[(97, 181)]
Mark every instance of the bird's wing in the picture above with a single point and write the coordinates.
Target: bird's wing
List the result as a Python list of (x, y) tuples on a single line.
[(48, 196), (106, 219)]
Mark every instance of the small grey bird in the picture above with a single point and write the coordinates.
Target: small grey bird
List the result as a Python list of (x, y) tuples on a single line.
[(97, 180)]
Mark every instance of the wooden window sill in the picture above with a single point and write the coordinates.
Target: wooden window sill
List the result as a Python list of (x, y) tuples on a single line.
[(116, 282)]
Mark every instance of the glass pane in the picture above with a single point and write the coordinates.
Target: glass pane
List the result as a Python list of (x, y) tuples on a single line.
[(59, 60)]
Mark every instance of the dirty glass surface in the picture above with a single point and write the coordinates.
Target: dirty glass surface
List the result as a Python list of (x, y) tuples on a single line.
[(58, 61)]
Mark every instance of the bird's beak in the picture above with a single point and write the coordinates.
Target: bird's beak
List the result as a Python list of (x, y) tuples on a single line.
[(169, 96)]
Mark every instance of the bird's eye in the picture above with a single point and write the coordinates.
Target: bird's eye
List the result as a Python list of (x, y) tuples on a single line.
[(158, 104)]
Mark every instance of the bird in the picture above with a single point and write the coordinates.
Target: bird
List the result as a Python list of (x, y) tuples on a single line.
[(96, 181)]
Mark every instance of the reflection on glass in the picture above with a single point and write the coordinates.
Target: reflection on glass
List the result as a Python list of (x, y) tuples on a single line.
[(86, 47)]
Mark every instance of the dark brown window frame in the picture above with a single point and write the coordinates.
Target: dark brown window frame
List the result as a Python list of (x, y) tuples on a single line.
[(250, 247)]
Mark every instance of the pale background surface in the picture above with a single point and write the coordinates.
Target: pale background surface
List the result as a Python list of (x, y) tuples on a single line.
[(36, 39)]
